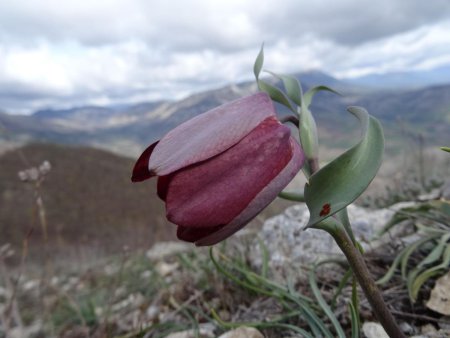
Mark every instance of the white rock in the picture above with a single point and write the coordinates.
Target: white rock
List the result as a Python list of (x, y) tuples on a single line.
[(204, 331), (243, 332), (374, 330), (440, 296), (164, 269), (164, 249), (292, 247), (152, 312)]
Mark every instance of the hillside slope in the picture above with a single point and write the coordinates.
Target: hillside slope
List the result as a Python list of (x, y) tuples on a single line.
[(88, 197), (129, 130)]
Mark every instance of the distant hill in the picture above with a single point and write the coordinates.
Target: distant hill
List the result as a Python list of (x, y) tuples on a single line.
[(127, 130), (88, 198), (410, 79)]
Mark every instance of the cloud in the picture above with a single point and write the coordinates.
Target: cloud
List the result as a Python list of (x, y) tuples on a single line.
[(91, 52), (219, 25)]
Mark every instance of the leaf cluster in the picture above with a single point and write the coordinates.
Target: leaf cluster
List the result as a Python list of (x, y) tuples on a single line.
[(429, 254)]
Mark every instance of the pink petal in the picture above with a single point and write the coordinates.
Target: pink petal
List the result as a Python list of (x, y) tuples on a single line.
[(210, 133), (140, 170), (215, 191), (264, 197)]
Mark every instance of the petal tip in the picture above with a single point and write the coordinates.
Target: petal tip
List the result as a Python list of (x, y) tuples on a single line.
[(140, 175), (141, 172)]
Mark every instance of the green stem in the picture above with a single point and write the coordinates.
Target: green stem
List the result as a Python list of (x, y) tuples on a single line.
[(292, 196), (366, 282)]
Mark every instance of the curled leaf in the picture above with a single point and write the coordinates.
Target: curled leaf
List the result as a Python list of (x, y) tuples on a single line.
[(340, 182), (307, 98)]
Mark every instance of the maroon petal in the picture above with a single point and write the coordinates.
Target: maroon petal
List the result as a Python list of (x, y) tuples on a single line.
[(264, 197), (216, 191), (210, 133), (194, 234), (140, 170), (163, 185)]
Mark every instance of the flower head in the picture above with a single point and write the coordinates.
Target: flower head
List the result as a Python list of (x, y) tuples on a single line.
[(218, 170)]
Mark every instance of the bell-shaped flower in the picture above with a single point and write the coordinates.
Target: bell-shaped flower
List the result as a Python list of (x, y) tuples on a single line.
[(217, 171)]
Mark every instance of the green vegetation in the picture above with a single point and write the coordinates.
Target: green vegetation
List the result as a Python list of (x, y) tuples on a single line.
[(429, 245)]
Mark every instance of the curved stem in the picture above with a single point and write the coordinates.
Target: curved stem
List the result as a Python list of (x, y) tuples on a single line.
[(292, 196), (367, 283)]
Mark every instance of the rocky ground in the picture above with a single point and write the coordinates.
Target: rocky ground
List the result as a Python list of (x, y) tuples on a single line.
[(257, 284)]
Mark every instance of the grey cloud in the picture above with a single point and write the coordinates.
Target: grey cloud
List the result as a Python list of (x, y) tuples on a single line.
[(352, 22), (193, 25), (147, 49)]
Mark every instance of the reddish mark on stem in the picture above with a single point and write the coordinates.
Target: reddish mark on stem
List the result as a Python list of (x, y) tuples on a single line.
[(326, 208)]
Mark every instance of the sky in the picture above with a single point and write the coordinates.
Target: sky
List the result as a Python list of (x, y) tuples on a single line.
[(59, 54)]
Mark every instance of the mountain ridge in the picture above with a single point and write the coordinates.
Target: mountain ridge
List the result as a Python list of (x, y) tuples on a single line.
[(127, 130)]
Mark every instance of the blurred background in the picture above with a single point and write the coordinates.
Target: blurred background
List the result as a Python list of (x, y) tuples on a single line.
[(88, 85)]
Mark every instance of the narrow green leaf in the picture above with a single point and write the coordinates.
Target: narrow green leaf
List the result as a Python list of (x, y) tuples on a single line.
[(395, 219), (354, 320), (276, 94), (412, 275), (340, 182), (390, 273), (259, 63), (323, 304), (307, 98), (427, 274), (442, 206), (355, 302), (292, 86), (342, 283), (447, 149), (437, 251), (409, 251)]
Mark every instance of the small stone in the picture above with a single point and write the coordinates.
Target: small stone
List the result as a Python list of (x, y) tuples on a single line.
[(161, 250), (406, 328), (164, 269), (204, 331), (374, 330), (243, 332), (440, 295), (428, 329), (152, 312)]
